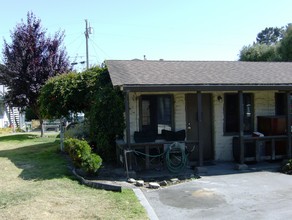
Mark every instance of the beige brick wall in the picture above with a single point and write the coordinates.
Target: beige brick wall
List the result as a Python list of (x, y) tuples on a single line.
[(179, 111), (264, 104), (134, 113)]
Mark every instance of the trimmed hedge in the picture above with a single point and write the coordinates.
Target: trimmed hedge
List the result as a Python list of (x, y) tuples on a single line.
[(80, 153)]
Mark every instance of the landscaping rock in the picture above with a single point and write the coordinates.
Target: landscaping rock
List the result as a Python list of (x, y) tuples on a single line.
[(140, 183), (163, 183), (132, 180), (154, 185), (174, 180)]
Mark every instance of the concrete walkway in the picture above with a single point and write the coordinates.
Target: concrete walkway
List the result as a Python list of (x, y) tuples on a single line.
[(226, 194)]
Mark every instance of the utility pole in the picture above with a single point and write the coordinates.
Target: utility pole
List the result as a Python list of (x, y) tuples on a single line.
[(87, 32)]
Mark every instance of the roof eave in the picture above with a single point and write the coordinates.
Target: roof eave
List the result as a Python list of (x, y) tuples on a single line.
[(206, 87)]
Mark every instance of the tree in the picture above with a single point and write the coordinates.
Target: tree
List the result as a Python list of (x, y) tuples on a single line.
[(69, 93), (270, 36), (273, 44), (285, 48), (90, 92), (30, 59), (260, 52)]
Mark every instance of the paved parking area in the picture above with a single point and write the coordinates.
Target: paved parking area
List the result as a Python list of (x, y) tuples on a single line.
[(250, 195)]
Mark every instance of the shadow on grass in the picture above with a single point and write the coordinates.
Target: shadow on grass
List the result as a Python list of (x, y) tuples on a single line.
[(18, 137), (41, 161)]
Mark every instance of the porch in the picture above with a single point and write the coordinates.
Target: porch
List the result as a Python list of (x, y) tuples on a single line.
[(212, 101), (257, 149), (155, 155), (150, 153)]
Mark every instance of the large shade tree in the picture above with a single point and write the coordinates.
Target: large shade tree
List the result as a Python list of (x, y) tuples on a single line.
[(272, 44), (90, 92), (259, 52), (270, 35), (285, 48), (30, 59)]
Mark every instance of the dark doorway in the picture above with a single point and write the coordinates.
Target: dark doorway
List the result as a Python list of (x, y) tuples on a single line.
[(206, 125)]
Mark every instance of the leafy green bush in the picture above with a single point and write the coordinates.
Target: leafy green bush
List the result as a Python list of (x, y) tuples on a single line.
[(80, 153), (287, 168), (106, 121), (91, 164), (102, 104), (78, 150)]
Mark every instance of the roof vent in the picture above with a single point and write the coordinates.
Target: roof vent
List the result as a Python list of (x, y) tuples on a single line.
[(161, 59)]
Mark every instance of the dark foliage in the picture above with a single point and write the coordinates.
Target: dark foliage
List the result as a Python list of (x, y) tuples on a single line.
[(81, 156), (106, 121), (30, 59), (287, 167), (270, 35), (90, 92), (285, 48), (273, 45)]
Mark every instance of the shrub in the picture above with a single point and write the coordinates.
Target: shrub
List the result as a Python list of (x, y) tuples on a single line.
[(78, 150), (287, 168), (18, 129), (106, 120), (91, 164), (80, 153), (6, 130)]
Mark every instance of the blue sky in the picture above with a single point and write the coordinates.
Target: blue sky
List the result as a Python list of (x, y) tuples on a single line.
[(159, 29)]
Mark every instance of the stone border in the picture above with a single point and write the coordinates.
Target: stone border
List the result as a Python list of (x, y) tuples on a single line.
[(97, 185)]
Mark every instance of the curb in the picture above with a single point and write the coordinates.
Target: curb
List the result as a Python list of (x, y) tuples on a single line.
[(144, 202), (139, 194), (96, 184)]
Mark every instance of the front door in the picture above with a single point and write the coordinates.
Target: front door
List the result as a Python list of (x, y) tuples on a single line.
[(206, 125)]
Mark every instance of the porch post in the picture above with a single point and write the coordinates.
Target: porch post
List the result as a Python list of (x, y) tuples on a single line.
[(241, 114), (127, 118), (288, 124), (200, 139)]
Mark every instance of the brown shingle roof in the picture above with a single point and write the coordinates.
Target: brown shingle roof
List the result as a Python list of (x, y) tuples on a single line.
[(133, 72)]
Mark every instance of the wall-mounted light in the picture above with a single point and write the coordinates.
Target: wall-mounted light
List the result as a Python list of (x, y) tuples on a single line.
[(248, 110), (219, 98)]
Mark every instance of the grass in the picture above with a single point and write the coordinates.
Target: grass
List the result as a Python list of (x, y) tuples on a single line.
[(35, 183)]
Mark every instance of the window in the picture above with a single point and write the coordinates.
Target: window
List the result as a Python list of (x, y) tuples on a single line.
[(231, 113), (156, 113), (281, 104)]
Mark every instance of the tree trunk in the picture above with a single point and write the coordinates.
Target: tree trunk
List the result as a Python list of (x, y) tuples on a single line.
[(36, 111), (42, 128)]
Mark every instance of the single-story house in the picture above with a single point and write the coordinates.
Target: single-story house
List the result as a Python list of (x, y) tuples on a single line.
[(220, 110)]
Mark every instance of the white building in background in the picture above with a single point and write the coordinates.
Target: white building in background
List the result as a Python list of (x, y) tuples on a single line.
[(9, 117)]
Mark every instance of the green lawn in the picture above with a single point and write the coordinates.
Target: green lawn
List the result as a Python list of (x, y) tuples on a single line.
[(35, 183)]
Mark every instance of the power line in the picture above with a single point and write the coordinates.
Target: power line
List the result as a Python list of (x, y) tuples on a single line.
[(100, 49)]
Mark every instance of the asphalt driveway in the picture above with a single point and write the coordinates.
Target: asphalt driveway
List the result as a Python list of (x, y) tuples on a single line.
[(249, 195)]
